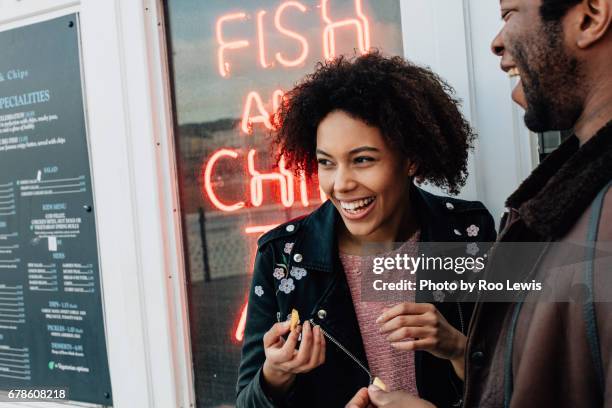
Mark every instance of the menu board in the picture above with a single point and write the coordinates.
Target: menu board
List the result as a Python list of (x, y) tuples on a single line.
[(51, 318)]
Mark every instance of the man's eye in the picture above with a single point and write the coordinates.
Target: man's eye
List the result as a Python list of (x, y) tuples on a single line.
[(363, 159), (506, 14)]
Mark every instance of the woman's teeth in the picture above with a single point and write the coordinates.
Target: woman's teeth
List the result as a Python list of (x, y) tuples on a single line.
[(513, 72), (356, 206)]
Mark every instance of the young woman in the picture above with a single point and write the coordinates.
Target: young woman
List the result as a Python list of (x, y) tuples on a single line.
[(368, 127)]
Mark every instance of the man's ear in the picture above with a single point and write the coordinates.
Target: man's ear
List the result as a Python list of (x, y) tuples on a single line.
[(595, 18)]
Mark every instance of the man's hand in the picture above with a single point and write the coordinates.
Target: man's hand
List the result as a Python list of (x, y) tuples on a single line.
[(395, 399), (374, 397), (360, 400)]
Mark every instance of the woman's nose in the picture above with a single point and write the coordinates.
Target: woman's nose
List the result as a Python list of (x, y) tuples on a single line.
[(344, 181)]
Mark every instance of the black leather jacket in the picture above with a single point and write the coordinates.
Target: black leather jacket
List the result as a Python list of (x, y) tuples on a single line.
[(319, 291)]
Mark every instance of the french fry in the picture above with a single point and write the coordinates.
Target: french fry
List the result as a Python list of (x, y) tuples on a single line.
[(295, 319), (378, 382)]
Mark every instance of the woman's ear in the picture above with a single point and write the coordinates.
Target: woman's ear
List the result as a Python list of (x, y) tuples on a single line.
[(411, 168)]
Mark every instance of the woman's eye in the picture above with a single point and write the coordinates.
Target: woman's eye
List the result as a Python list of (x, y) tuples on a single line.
[(323, 162), (363, 159)]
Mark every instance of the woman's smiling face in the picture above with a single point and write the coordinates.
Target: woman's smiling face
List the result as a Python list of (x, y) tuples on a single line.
[(363, 177)]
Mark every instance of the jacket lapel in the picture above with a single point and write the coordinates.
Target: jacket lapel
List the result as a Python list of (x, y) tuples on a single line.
[(316, 243), (433, 221)]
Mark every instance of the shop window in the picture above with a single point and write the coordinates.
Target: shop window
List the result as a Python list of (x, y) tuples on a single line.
[(231, 61)]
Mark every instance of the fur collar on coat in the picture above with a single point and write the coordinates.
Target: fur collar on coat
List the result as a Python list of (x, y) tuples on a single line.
[(563, 186)]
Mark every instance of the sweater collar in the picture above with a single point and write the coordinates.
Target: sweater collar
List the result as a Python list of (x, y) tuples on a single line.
[(562, 187)]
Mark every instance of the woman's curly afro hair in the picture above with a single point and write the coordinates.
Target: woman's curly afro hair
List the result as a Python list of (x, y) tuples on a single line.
[(413, 108)]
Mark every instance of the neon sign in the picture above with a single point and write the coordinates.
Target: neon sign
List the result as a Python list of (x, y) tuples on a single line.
[(360, 24), (271, 25), (263, 116), (284, 177), (224, 67)]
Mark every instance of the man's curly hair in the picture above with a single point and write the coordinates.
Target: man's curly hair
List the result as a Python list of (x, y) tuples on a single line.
[(414, 109), (552, 11)]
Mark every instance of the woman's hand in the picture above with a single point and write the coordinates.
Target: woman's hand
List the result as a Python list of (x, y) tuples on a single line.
[(283, 361), (420, 326)]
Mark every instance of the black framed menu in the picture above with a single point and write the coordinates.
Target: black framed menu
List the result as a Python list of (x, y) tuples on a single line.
[(52, 331)]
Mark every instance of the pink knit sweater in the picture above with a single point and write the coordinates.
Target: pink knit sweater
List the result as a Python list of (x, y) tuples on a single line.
[(394, 367)]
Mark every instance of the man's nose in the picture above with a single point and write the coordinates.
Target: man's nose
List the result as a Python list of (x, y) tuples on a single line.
[(497, 46)]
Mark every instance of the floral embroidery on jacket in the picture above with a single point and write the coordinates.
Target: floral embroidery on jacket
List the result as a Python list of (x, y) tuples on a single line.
[(279, 273), (282, 272), (472, 230), (286, 286), (298, 273), (259, 291)]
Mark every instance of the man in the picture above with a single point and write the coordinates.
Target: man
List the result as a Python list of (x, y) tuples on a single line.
[(540, 353)]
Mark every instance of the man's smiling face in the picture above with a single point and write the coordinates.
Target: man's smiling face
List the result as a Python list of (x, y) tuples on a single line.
[(550, 76)]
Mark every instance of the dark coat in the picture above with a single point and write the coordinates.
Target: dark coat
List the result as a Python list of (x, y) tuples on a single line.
[(543, 353), (323, 295)]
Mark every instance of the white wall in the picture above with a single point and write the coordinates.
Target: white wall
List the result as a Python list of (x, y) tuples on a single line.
[(508, 151), (453, 38)]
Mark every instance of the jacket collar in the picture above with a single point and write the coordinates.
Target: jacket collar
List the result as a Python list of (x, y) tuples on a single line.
[(562, 187), (317, 241)]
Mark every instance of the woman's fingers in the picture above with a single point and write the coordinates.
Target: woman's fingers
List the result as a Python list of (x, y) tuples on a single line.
[(420, 326), (413, 345), (273, 335), (287, 352), (403, 321), (316, 347), (404, 333), (310, 354), (405, 308), (323, 348), (303, 355)]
